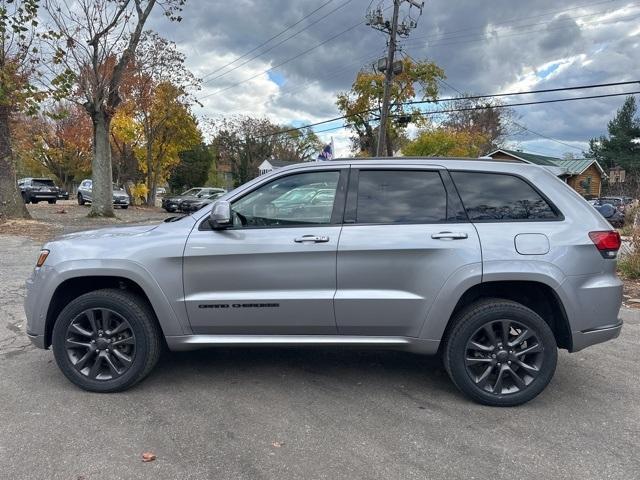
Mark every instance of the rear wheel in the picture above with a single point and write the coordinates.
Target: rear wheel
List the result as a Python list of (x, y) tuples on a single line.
[(500, 353), (106, 341), (80, 199), (25, 199), (52, 202)]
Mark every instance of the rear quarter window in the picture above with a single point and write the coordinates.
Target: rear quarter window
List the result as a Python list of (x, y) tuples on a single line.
[(501, 197)]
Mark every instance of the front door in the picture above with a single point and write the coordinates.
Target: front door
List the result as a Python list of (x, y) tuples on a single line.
[(274, 271), (405, 233)]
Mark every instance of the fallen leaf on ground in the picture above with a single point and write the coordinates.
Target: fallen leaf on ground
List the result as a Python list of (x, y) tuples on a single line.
[(148, 457), (277, 444)]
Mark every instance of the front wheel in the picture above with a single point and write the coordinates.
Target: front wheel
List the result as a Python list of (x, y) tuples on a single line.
[(500, 353), (80, 199), (124, 207), (25, 199), (106, 340), (52, 202)]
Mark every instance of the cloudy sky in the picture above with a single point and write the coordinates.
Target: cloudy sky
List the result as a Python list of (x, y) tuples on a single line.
[(484, 47)]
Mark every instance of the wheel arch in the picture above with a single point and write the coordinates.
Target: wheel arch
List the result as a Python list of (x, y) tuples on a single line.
[(538, 296), (75, 286)]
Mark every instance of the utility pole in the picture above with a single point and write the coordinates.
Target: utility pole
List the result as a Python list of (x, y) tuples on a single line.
[(388, 78), (376, 20)]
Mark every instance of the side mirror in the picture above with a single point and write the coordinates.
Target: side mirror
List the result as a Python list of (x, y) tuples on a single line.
[(220, 217)]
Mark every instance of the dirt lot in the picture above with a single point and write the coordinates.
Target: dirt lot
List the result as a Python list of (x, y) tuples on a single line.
[(67, 216)]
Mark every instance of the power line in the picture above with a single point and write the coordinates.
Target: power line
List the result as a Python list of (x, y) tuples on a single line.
[(270, 39), (528, 92), (333, 37), (463, 109), (280, 42), (519, 124)]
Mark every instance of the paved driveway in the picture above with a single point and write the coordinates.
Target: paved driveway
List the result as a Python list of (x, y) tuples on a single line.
[(307, 414)]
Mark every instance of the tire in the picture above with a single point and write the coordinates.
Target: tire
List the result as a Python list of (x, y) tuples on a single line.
[(52, 202), (138, 341), (80, 199), (34, 201), (520, 370), (124, 207), (25, 199)]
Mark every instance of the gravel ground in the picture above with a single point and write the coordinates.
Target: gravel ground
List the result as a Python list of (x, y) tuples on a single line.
[(307, 413), (67, 216)]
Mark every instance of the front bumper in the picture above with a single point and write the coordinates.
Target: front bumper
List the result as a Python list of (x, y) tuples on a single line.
[(586, 338)]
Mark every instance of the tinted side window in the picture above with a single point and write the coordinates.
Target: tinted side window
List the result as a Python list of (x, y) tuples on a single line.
[(400, 196), (491, 196), (299, 199)]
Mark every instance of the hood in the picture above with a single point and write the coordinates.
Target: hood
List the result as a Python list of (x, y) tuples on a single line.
[(109, 232)]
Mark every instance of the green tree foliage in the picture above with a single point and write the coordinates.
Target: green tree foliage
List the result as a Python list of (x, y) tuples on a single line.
[(622, 144), (193, 169), (446, 142), (363, 103)]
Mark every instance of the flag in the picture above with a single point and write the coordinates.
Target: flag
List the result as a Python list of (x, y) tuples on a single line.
[(326, 153)]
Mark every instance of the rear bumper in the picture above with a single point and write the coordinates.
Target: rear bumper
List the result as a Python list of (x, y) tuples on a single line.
[(586, 338)]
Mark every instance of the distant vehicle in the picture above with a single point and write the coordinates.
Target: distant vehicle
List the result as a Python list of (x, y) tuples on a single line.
[(614, 216), (189, 205), (174, 203), (35, 189), (161, 191), (63, 194), (120, 197), (617, 202)]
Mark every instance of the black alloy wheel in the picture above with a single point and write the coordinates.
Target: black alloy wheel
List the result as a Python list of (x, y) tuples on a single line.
[(503, 357), (100, 344), (106, 340), (500, 353)]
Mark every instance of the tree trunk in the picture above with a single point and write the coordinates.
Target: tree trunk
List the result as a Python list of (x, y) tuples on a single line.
[(151, 174), (102, 175), (11, 203)]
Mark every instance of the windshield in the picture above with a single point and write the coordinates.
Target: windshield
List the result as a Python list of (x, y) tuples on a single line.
[(117, 188)]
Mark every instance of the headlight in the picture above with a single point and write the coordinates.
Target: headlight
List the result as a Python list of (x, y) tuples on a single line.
[(42, 257)]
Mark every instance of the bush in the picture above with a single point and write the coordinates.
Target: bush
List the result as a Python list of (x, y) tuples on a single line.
[(629, 266), (139, 193)]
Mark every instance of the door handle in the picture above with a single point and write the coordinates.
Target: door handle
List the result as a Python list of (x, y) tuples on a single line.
[(312, 239), (449, 236)]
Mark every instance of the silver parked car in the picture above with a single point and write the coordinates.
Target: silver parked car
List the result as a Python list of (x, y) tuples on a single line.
[(493, 265), (120, 197)]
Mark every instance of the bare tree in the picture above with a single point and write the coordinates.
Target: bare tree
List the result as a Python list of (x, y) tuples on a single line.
[(97, 39), (485, 117)]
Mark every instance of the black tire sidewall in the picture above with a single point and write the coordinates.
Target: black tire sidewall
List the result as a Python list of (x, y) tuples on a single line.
[(473, 319), (137, 318)]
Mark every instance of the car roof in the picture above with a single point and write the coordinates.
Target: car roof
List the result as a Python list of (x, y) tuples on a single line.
[(452, 163)]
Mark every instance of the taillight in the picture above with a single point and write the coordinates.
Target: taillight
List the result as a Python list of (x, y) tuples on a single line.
[(607, 242)]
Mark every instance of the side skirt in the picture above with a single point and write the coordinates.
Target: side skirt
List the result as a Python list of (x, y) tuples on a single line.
[(194, 342)]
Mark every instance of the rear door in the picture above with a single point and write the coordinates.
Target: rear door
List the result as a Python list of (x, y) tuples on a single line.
[(405, 234)]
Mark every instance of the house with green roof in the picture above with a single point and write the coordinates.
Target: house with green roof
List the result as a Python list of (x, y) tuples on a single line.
[(584, 175)]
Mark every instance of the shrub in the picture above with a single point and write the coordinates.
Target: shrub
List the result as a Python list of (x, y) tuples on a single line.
[(139, 193)]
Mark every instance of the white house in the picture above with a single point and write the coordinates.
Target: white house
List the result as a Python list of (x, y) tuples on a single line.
[(272, 164)]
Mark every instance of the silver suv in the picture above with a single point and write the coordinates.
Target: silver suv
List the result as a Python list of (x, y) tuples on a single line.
[(85, 194), (493, 265)]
